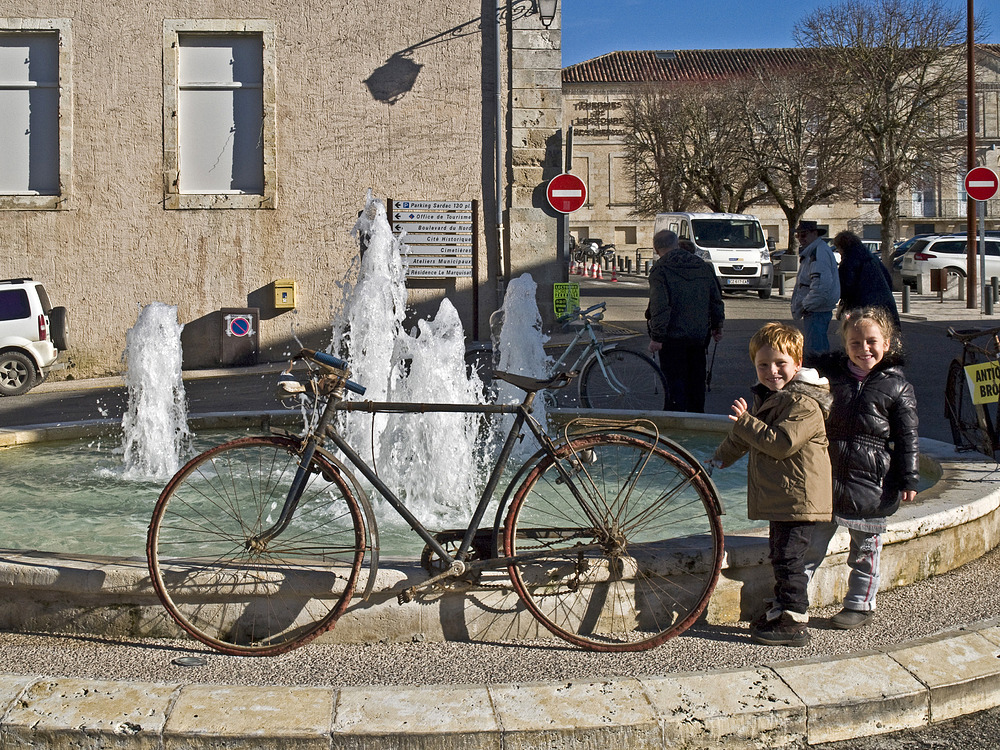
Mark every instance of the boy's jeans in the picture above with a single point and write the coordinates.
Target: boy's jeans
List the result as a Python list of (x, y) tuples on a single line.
[(789, 542), (863, 558)]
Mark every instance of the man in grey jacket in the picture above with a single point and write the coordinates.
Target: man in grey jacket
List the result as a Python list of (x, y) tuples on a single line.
[(817, 288), (685, 311)]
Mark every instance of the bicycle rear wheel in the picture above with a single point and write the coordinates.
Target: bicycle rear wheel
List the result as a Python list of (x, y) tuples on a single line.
[(630, 562), (640, 384), (232, 592), (972, 427)]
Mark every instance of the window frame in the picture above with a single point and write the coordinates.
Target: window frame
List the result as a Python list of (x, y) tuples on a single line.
[(173, 198), (62, 28)]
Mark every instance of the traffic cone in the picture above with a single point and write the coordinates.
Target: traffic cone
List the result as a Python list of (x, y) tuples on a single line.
[(591, 273), (614, 272), (598, 272)]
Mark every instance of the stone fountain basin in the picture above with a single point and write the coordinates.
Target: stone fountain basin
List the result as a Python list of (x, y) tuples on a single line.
[(953, 522)]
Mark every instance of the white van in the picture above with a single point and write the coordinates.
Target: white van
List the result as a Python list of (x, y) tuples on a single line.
[(733, 243)]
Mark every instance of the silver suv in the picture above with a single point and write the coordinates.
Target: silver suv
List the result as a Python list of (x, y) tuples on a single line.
[(32, 333), (948, 252)]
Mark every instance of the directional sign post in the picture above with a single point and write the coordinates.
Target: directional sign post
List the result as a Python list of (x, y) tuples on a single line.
[(981, 185), (566, 193)]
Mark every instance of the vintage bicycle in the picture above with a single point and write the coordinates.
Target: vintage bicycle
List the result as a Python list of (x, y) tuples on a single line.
[(610, 534), (611, 377), (974, 426)]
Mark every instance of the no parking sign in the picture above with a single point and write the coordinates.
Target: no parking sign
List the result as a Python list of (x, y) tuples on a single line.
[(239, 325)]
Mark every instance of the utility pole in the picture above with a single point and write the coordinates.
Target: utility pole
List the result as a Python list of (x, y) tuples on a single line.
[(971, 277)]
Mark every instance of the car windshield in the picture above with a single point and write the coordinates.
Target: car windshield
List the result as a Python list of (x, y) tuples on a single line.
[(727, 233)]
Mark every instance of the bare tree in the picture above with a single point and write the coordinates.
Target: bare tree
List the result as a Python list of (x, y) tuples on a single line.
[(802, 148), (893, 67), (685, 146)]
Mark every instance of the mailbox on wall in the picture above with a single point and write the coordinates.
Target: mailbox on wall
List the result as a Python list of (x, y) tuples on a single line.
[(284, 294)]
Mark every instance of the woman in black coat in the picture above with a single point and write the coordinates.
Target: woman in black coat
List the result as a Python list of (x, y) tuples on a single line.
[(864, 280)]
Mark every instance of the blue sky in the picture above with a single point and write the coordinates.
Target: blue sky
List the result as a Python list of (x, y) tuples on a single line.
[(596, 27)]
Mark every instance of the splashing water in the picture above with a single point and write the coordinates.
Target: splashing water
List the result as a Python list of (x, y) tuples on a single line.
[(433, 460), (520, 343), (154, 427)]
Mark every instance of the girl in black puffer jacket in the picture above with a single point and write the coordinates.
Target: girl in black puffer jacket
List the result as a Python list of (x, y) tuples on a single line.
[(872, 431)]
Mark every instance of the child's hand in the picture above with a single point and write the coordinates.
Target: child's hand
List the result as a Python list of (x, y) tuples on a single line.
[(739, 409), (711, 464), (908, 496)]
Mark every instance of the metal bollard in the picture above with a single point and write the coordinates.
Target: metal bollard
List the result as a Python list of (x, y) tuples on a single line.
[(906, 298), (781, 284), (646, 269), (995, 283), (987, 300), (628, 265)]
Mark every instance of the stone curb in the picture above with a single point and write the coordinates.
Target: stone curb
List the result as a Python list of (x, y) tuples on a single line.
[(786, 704)]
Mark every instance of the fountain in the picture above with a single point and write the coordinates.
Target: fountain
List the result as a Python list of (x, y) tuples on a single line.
[(154, 428)]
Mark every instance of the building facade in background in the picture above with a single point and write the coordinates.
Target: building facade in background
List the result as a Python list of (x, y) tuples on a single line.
[(197, 155), (593, 95)]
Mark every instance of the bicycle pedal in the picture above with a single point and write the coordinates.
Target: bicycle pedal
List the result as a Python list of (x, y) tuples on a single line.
[(406, 595)]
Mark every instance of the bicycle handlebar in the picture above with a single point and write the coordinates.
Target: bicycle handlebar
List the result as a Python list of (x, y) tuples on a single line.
[(578, 313), (336, 362)]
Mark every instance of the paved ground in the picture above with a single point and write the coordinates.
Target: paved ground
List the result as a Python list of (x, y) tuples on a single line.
[(969, 595)]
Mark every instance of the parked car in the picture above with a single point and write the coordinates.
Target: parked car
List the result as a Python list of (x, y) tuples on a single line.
[(949, 252), (32, 333), (902, 247), (874, 246)]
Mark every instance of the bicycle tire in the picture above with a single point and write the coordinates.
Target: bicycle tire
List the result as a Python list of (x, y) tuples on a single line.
[(638, 565), (967, 430), (220, 589), (645, 386)]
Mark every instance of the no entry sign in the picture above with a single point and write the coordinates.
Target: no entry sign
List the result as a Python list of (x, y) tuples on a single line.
[(981, 183), (566, 193)]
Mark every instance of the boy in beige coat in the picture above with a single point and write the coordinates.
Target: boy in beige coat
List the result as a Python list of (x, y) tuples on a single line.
[(789, 476)]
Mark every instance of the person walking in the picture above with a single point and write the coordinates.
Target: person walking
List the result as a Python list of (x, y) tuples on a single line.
[(817, 288), (685, 312), (864, 280)]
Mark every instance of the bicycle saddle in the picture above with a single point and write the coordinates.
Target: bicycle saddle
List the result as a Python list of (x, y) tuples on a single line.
[(532, 385)]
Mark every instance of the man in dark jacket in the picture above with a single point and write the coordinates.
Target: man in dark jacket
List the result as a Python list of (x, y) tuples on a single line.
[(685, 311)]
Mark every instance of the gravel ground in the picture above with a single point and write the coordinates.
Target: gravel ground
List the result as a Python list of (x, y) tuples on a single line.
[(965, 596)]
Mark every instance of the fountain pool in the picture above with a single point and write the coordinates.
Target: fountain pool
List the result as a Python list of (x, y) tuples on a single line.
[(91, 508)]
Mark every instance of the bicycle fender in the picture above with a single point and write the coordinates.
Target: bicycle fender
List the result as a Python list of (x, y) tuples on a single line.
[(371, 530)]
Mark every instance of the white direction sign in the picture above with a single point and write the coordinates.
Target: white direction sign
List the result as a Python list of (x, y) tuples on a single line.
[(459, 240), (435, 273), (416, 226), (406, 249), (432, 216), (431, 206)]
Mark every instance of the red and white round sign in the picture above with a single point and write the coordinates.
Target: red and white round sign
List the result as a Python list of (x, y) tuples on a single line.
[(566, 193), (981, 183)]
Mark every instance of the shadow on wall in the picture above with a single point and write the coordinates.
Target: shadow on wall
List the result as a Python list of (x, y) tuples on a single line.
[(394, 79)]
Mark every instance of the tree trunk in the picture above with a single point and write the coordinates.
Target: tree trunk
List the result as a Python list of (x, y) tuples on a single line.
[(888, 209)]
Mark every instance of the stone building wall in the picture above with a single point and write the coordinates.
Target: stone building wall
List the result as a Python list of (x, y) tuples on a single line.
[(396, 97)]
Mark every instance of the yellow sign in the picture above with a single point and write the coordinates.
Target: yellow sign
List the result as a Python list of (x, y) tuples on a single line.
[(565, 297), (984, 382)]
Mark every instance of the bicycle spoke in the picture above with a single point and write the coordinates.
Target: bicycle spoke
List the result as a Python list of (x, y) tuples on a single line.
[(224, 585), (643, 572)]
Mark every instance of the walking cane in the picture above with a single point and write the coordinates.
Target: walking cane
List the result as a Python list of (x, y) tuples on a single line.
[(708, 375)]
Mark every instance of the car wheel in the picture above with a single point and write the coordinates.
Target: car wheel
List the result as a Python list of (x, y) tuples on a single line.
[(59, 327), (17, 373), (764, 293)]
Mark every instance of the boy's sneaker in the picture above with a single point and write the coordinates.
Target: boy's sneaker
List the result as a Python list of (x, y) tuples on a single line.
[(781, 631), (849, 619)]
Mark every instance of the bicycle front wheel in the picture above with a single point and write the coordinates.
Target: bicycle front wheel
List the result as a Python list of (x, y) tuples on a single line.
[(226, 587), (626, 553), (629, 380), (971, 426)]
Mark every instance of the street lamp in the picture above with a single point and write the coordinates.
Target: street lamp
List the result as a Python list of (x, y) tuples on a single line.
[(547, 11)]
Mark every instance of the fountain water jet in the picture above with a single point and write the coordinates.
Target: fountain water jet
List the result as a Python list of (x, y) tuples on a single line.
[(154, 427)]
